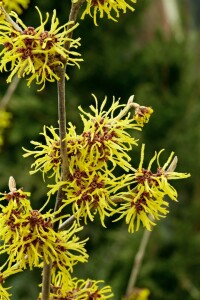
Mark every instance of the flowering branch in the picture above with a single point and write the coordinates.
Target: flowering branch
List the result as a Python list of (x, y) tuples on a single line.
[(62, 105), (62, 133), (83, 165), (63, 146), (61, 95), (62, 102)]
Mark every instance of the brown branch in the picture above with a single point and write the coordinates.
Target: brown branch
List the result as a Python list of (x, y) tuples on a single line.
[(62, 107), (63, 147), (73, 17), (138, 261), (46, 281), (62, 124)]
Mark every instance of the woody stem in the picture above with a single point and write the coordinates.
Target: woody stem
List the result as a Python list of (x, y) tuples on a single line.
[(63, 146)]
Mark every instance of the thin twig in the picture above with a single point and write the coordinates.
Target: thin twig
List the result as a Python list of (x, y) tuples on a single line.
[(138, 261), (59, 198), (66, 223), (62, 124), (124, 111), (62, 108), (63, 147), (72, 17)]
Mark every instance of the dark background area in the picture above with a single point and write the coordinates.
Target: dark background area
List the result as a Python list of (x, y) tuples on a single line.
[(147, 55)]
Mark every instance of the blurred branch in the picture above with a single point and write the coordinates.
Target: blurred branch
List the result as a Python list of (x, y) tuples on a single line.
[(138, 261), (10, 91), (191, 288), (173, 17)]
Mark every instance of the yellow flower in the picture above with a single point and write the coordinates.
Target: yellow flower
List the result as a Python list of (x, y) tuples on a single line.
[(104, 139), (69, 249), (4, 123), (48, 155), (105, 136), (72, 288), (36, 52), (145, 202), (28, 236), (101, 7), (16, 5), (35, 241), (142, 114), (141, 207), (152, 182), (88, 193)]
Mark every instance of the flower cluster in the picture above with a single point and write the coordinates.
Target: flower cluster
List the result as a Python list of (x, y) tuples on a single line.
[(146, 201), (36, 52), (92, 158), (4, 123), (47, 155), (101, 7), (16, 5), (28, 236), (91, 187), (72, 288), (90, 193), (104, 144), (104, 139)]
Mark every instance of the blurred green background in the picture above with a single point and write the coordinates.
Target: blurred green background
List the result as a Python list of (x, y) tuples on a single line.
[(152, 53)]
